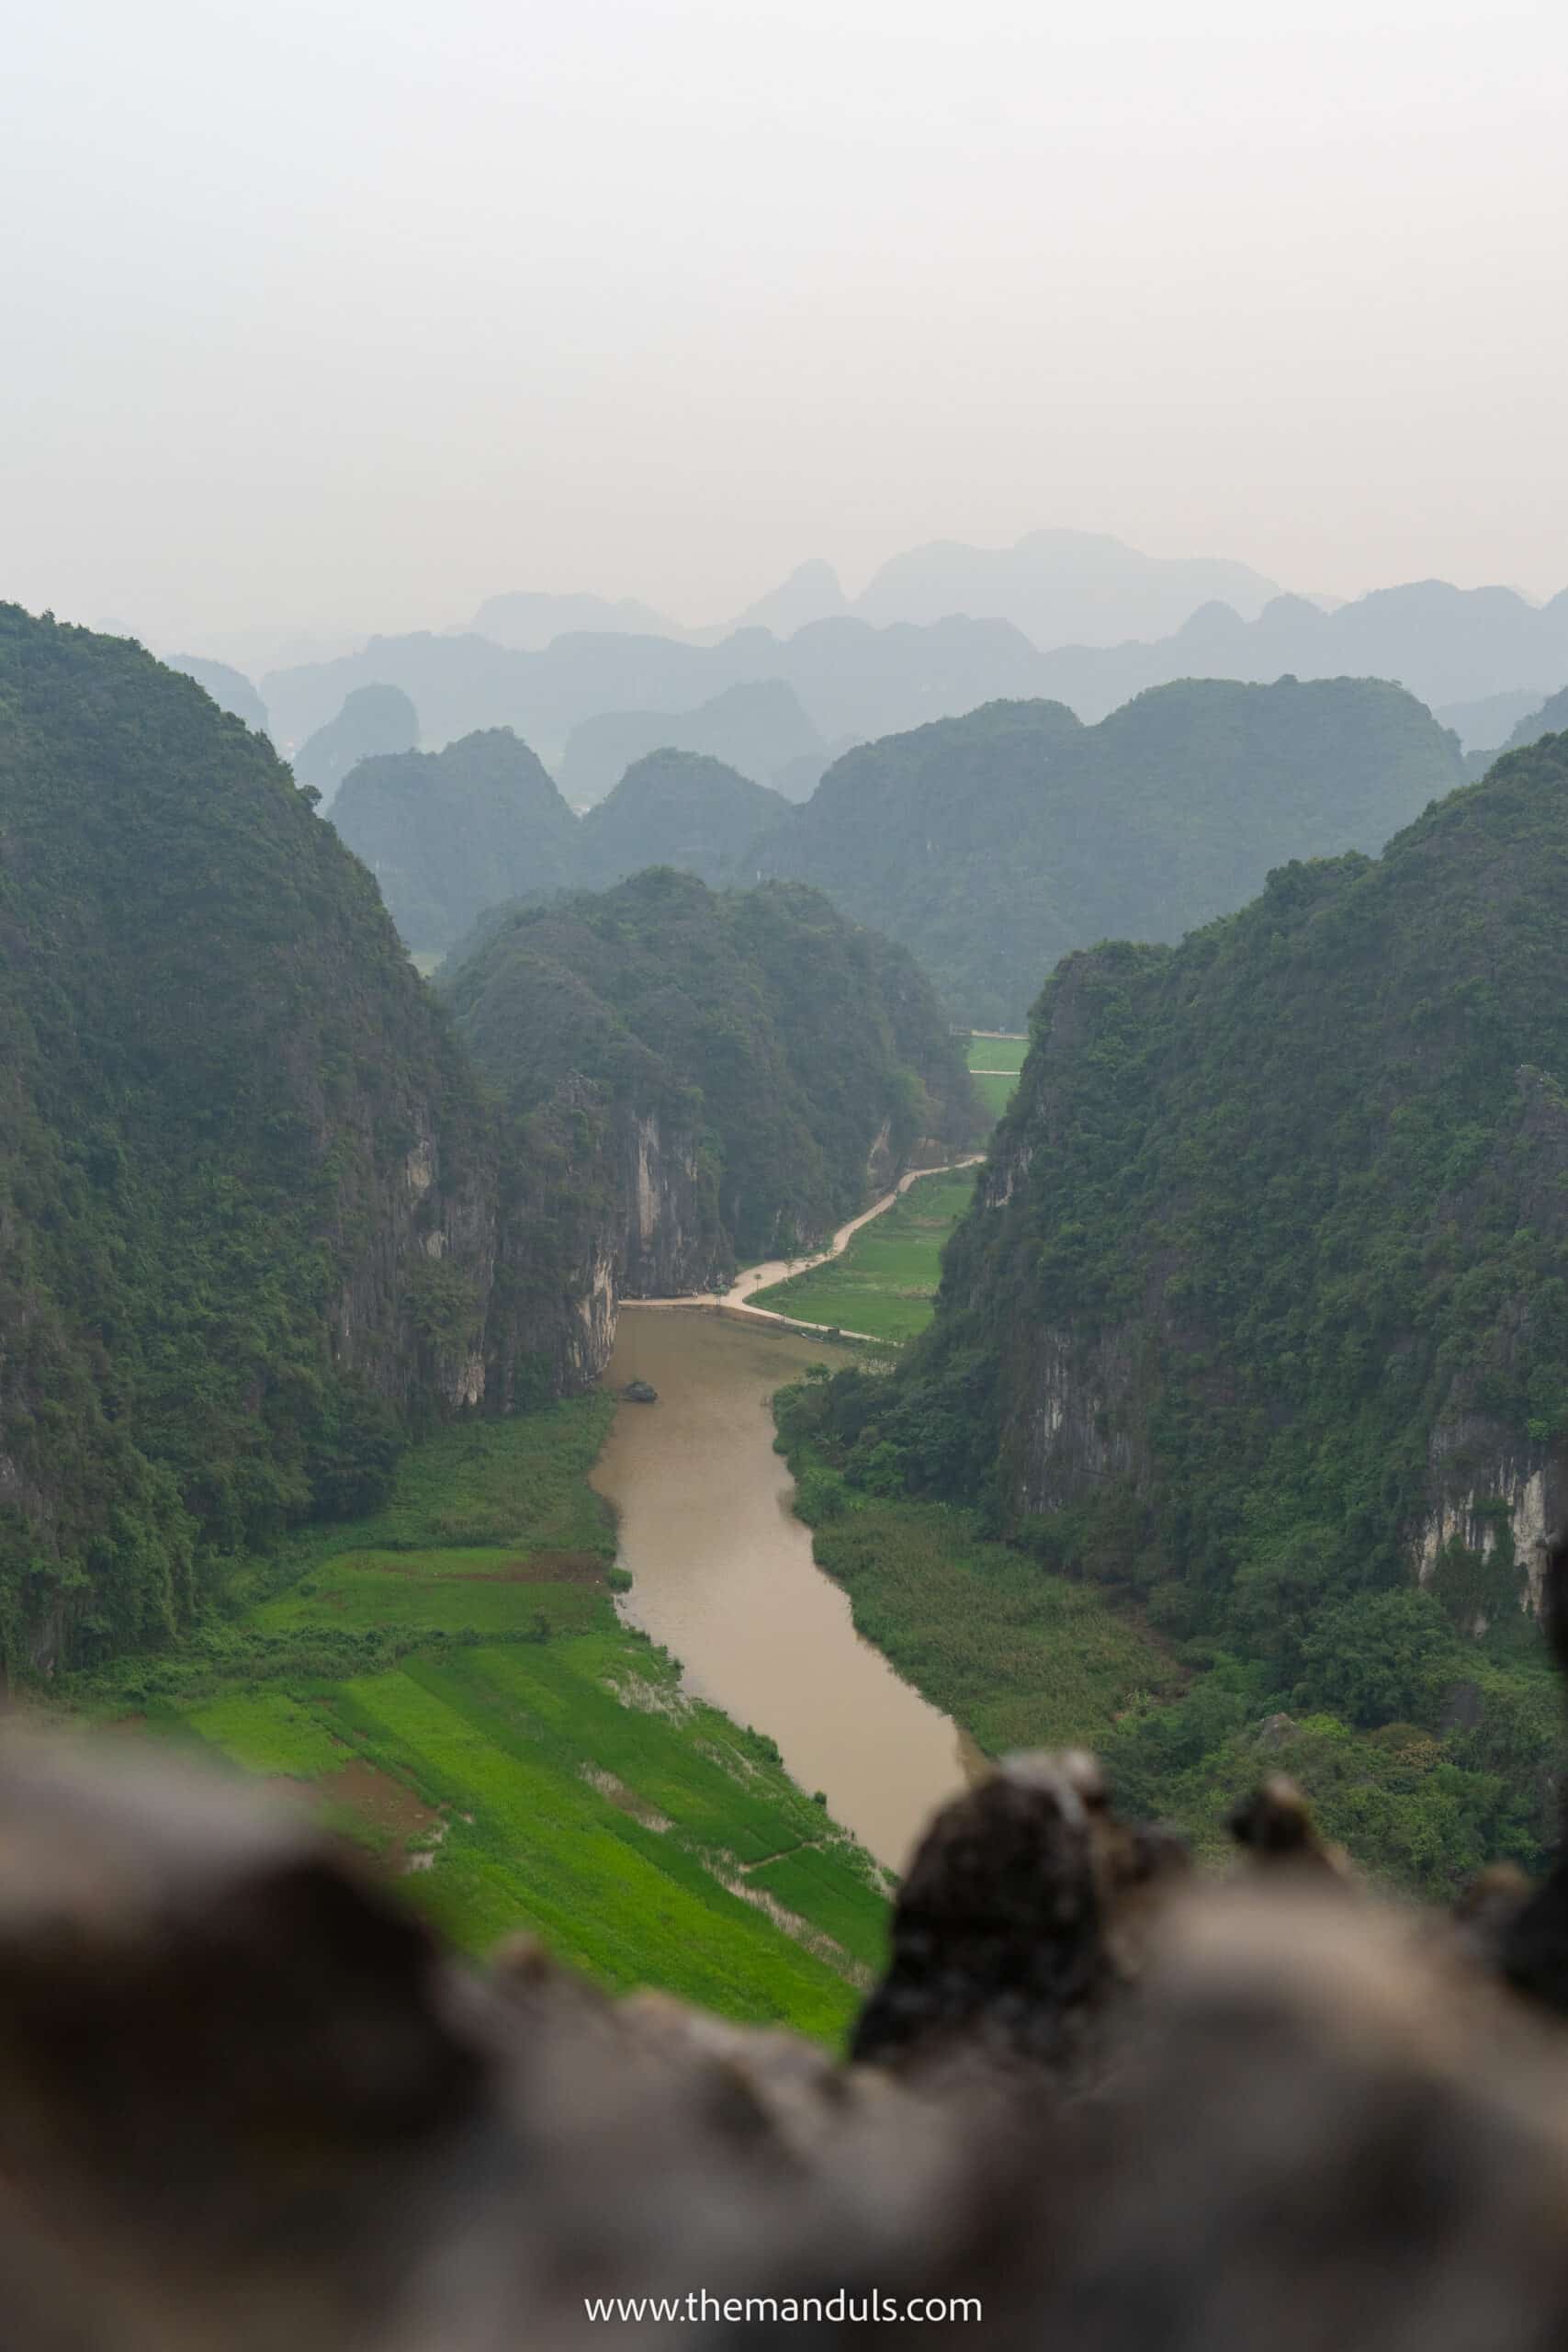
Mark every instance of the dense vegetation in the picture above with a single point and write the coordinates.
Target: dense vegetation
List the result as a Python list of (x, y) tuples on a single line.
[(229, 688), (992, 844), (1264, 1299), (448, 1679), (448, 833), (232, 1120), (677, 809), (784, 1056)]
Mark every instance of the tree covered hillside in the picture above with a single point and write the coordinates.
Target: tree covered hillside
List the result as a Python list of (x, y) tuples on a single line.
[(229, 688), (448, 833), (374, 721), (234, 1132), (1262, 1310), (678, 808), (753, 1061), (993, 844)]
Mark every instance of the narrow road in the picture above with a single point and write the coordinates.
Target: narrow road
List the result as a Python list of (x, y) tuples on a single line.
[(735, 1300)]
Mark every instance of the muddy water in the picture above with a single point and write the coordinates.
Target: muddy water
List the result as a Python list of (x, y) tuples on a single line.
[(723, 1577)]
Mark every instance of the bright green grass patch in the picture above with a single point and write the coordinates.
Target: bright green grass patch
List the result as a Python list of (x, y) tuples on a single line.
[(454, 1676), (995, 1093), (997, 1053), (886, 1282), (268, 1731), (441, 1591), (607, 1829), (520, 1482), (1020, 1656), (584, 1852)]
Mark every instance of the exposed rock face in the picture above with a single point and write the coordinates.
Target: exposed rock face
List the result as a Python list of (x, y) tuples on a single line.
[(671, 1241), (1516, 1501)]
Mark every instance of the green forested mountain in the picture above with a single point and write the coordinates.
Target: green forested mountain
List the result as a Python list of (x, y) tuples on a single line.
[(229, 688), (992, 844), (1547, 715), (1262, 1315), (448, 833), (750, 1062), (1550, 719), (758, 728), (678, 808), (374, 720), (249, 1219)]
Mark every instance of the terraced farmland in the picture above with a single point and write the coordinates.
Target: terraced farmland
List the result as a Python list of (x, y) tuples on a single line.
[(450, 1683)]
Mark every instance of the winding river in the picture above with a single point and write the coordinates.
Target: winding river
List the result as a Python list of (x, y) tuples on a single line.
[(723, 1576)]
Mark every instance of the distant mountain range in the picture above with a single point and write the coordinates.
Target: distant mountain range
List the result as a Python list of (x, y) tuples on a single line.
[(1490, 720), (593, 685), (1058, 587), (987, 845), (528, 619), (759, 728), (1444, 644), (373, 720), (851, 679)]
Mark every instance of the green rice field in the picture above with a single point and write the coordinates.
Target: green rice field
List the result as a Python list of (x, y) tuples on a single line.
[(994, 1063), (996, 1090), (884, 1283), (448, 1683), (997, 1053)]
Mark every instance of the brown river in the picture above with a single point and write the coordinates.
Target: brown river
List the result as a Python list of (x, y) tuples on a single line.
[(723, 1577)]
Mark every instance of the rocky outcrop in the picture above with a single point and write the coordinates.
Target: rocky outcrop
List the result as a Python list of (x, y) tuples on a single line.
[(671, 1241), (1093, 2102)]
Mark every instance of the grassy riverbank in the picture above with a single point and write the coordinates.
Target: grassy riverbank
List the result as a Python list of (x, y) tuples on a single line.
[(884, 1283), (450, 1683), (1020, 1656), (1023, 1657)]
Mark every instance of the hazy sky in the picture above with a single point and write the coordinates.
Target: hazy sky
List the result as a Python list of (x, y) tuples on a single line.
[(348, 312)]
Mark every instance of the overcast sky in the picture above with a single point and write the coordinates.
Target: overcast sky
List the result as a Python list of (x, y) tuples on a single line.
[(349, 312)]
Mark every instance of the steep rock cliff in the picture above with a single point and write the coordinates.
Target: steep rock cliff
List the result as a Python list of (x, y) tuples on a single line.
[(739, 1069), (251, 1221), (1270, 1265)]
